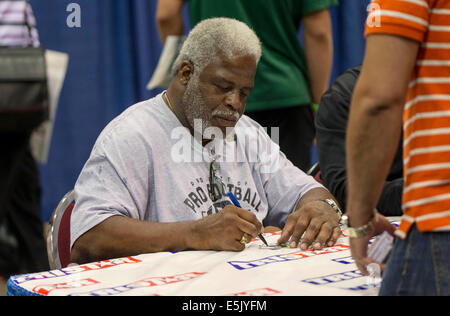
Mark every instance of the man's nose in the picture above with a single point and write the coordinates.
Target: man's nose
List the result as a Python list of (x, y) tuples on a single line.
[(233, 100)]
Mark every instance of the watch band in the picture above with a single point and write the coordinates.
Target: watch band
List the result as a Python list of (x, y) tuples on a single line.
[(357, 232), (335, 207)]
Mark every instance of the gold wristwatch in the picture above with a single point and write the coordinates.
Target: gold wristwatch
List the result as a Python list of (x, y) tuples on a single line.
[(358, 232)]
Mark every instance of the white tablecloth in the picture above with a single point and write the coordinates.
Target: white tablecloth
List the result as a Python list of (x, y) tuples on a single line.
[(256, 271)]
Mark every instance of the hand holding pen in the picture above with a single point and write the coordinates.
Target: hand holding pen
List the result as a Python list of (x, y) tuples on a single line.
[(244, 237), (224, 231)]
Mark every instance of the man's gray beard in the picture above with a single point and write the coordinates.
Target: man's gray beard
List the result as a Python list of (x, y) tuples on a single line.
[(196, 109)]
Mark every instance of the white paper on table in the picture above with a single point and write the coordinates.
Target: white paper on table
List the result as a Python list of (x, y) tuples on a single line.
[(56, 72), (163, 73)]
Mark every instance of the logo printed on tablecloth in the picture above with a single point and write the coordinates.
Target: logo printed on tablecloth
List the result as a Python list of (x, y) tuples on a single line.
[(333, 278), (244, 265), (340, 279), (145, 283), (344, 260), (47, 288), (74, 269)]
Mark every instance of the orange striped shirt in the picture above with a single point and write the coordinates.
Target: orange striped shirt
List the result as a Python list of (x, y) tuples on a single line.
[(426, 119)]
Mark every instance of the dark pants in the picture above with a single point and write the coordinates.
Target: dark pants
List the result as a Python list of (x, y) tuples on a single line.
[(419, 265), (22, 245), (296, 131)]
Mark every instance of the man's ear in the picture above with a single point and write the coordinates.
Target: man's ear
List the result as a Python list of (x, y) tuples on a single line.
[(185, 72)]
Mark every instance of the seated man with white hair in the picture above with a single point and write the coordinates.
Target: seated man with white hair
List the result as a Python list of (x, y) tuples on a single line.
[(158, 176)]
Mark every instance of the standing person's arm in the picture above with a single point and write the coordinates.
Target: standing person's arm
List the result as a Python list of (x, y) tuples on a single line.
[(169, 18), (375, 126), (319, 51)]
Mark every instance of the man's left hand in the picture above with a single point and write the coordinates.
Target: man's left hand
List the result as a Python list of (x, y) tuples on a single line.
[(359, 246), (317, 221)]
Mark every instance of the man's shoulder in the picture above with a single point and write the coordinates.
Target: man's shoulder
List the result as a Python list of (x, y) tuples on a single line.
[(143, 118)]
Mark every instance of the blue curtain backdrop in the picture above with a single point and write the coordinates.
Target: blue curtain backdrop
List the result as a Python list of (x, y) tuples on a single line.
[(112, 56)]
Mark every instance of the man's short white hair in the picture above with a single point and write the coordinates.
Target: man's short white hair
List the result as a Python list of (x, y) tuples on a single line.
[(215, 36)]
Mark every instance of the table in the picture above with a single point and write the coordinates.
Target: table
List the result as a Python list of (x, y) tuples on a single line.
[(256, 271)]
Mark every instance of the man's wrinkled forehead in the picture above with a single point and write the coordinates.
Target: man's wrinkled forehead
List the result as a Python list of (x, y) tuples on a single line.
[(228, 68)]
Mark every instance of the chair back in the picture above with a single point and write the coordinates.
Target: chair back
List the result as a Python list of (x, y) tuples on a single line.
[(58, 237)]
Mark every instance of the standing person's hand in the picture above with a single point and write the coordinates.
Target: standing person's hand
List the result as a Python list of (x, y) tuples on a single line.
[(359, 246)]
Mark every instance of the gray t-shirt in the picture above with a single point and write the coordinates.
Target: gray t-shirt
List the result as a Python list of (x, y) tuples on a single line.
[(145, 165)]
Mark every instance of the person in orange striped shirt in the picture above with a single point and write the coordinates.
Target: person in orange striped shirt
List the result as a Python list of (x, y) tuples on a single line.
[(405, 80)]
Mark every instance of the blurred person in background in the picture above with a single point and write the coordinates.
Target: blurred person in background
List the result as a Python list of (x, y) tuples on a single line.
[(22, 244)]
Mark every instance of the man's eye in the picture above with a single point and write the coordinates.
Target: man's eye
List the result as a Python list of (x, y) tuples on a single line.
[(223, 88)]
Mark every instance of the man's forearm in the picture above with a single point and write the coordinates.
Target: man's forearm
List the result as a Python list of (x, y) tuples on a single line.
[(319, 60), (169, 18), (120, 236), (319, 52), (167, 28), (372, 139), (375, 122)]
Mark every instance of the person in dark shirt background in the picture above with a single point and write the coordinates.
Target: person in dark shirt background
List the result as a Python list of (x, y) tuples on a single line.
[(331, 124)]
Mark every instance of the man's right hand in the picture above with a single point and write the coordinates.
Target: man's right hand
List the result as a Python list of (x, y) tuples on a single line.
[(224, 230), (120, 236)]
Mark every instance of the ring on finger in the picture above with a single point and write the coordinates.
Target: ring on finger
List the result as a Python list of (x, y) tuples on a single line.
[(245, 239)]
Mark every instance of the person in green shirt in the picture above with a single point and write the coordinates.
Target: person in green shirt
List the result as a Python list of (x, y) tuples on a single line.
[(289, 79)]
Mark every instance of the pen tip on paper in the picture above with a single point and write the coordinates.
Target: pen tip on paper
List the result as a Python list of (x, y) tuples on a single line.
[(263, 239)]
